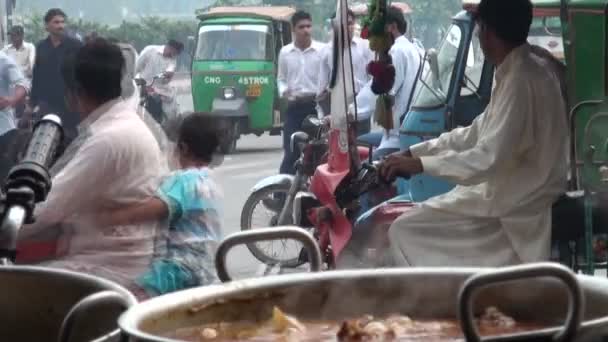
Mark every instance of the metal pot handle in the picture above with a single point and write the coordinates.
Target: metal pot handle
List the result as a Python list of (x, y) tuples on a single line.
[(83, 307), (264, 234), (575, 294)]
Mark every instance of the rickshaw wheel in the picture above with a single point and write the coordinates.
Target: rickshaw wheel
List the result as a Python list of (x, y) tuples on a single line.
[(266, 198), (229, 138), (228, 145)]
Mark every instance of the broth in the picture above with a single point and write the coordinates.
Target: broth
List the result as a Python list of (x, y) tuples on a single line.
[(282, 327)]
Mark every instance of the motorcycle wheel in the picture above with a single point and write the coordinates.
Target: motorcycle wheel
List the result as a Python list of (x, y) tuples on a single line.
[(265, 197)]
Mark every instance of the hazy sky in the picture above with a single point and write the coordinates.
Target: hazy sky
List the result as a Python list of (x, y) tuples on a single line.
[(111, 11)]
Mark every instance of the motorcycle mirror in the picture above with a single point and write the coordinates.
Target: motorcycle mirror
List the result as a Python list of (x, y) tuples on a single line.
[(297, 138)]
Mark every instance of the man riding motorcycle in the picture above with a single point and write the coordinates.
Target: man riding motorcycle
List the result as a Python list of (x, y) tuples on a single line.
[(154, 61), (510, 164)]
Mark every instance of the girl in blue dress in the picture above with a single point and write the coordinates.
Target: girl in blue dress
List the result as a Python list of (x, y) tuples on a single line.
[(189, 201)]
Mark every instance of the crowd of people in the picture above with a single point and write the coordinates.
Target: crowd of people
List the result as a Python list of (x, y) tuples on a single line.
[(307, 90), (120, 211)]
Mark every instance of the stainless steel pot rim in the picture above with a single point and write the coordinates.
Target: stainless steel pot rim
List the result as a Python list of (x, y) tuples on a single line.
[(70, 274), (131, 319)]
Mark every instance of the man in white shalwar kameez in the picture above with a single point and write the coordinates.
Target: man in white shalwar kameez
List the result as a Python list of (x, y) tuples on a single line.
[(114, 161), (510, 165)]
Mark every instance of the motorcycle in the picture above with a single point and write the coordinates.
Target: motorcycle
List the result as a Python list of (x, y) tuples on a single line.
[(342, 187), (155, 100), (278, 193)]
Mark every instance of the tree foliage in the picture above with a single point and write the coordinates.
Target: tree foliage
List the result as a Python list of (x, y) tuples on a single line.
[(430, 17), (147, 31)]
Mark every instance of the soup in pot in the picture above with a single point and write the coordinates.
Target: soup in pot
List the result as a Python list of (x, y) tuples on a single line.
[(283, 327)]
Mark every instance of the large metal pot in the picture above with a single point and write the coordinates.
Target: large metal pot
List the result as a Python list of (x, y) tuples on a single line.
[(40, 304), (575, 306), (420, 293)]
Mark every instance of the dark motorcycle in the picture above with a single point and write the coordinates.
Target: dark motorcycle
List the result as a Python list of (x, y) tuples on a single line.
[(150, 100), (278, 193)]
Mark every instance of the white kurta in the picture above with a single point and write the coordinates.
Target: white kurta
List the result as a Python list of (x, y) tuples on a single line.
[(510, 166), (406, 61), (115, 161)]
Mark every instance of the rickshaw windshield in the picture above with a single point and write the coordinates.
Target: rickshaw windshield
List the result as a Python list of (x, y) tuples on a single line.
[(431, 90), (234, 42)]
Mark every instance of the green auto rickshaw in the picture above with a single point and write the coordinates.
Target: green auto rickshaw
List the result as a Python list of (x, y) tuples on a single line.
[(234, 69)]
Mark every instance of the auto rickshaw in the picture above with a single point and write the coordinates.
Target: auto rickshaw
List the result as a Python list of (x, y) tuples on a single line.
[(458, 85), (234, 69)]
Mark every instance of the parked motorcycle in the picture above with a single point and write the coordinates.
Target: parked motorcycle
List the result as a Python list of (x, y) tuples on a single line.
[(277, 193)]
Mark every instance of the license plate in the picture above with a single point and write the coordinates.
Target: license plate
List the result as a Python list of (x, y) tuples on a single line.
[(254, 90)]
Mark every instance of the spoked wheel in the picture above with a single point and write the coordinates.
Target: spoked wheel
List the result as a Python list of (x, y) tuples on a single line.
[(262, 210)]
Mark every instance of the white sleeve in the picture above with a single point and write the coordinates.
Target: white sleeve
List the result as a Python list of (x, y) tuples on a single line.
[(458, 140), (142, 60), (366, 102), (506, 133), (325, 69), (400, 70), (282, 74), (32, 58)]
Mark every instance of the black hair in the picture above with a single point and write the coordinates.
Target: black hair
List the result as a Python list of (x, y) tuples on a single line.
[(299, 16), (52, 13), (395, 16), (200, 135), (177, 45), (95, 70), (510, 20)]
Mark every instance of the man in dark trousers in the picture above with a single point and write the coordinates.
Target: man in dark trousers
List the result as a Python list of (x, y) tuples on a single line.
[(298, 81), (48, 88)]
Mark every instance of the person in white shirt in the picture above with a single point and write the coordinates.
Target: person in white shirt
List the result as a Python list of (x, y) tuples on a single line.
[(116, 162), (510, 165), (406, 60), (157, 59), (362, 55), (298, 81), (22, 52)]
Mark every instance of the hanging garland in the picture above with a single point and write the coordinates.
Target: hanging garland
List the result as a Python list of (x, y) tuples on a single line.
[(381, 69)]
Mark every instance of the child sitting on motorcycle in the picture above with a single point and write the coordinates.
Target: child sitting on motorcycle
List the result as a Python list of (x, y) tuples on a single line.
[(188, 200)]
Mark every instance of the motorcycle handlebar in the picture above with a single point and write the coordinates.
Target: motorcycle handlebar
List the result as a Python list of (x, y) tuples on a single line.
[(44, 142), (28, 183)]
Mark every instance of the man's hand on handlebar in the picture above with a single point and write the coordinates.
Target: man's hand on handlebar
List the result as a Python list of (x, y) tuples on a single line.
[(399, 165)]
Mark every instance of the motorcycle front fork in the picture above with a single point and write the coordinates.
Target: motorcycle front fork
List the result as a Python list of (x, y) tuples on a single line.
[(287, 209)]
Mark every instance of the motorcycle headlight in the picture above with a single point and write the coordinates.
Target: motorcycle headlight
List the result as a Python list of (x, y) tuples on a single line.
[(229, 93)]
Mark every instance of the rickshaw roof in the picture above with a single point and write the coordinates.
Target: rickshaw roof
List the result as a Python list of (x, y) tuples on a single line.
[(542, 8), (279, 13), (588, 4), (361, 9)]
